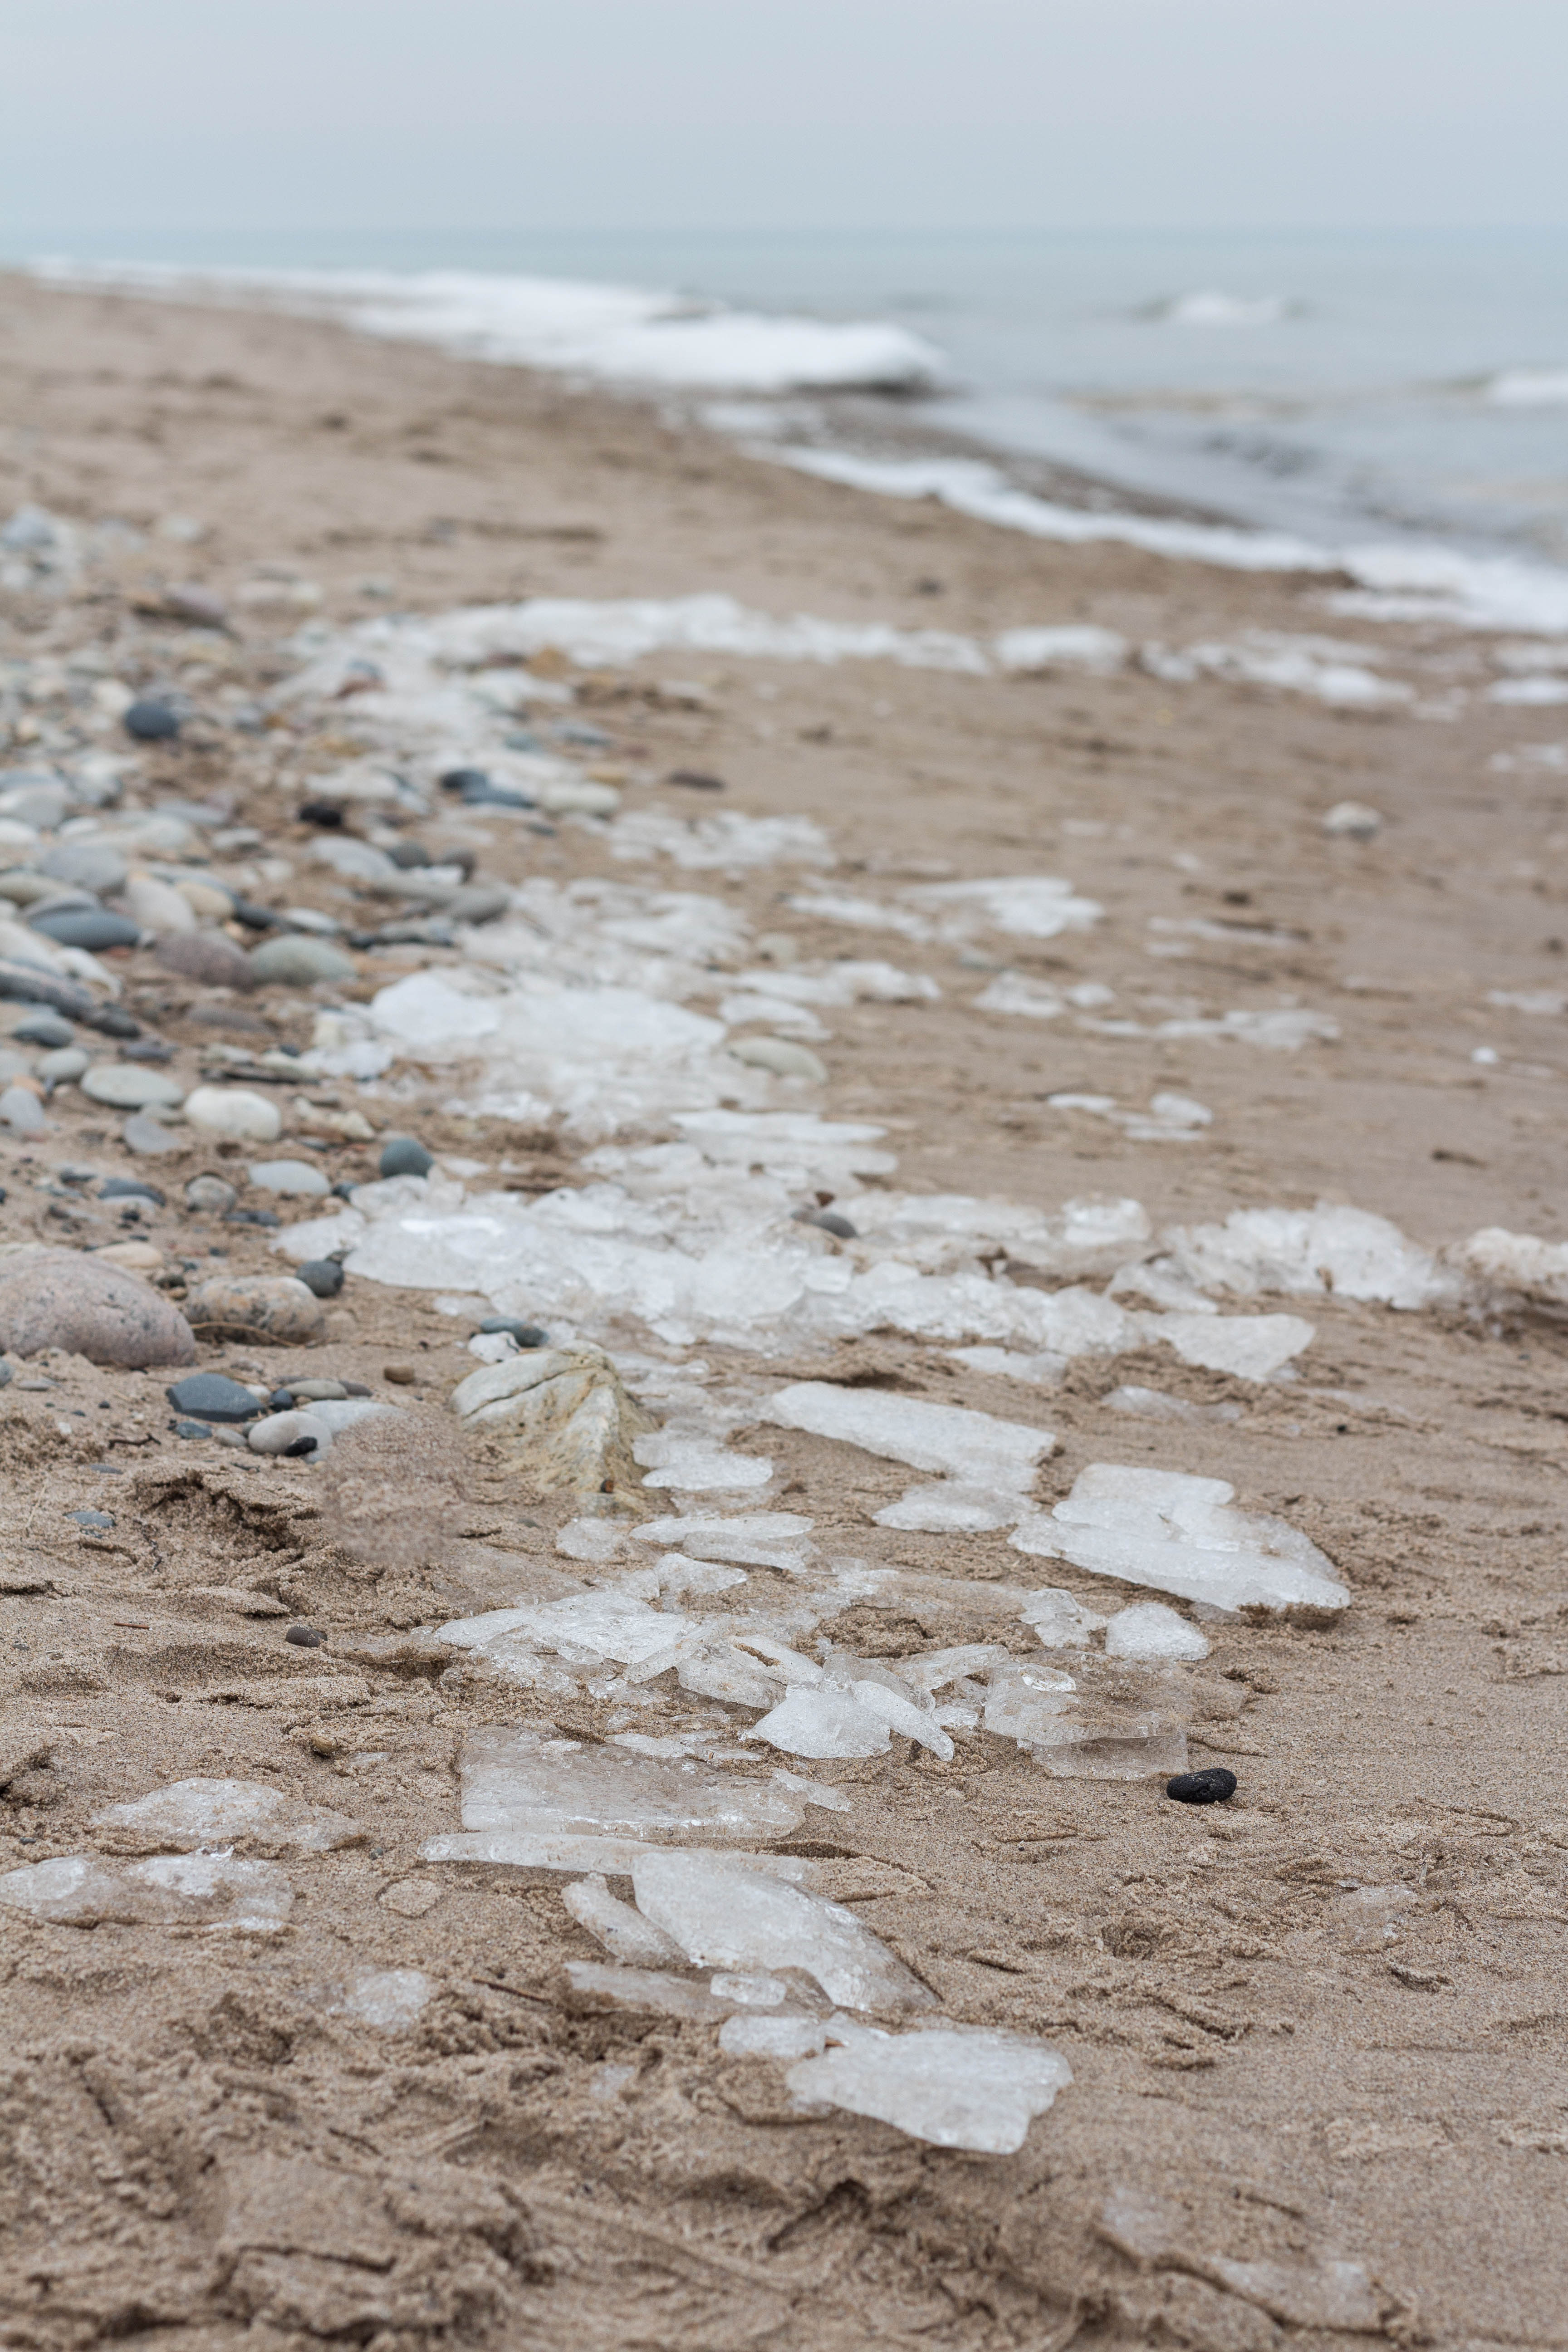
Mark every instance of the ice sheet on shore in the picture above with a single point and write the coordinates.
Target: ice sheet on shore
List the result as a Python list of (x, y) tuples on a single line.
[(722, 1919), (1312, 1252), (514, 1779), (1181, 1535), (973, 1447), (950, 2086), (186, 1814), (194, 1890)]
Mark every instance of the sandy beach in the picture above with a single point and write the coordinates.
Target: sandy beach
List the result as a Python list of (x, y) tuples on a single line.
[(1315, 2032)]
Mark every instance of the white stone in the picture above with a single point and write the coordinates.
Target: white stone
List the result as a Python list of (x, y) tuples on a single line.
[(287, 1176), (234, 1111), (1180, 1533), (722, 1919), (1250, 1347), (752, 1539), (952, 2088), (158, 906)]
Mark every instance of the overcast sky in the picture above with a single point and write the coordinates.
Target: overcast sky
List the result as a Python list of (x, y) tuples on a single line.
[(133, 115)]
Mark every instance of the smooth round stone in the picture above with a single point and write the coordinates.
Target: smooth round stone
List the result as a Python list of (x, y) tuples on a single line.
[(64, 1065), (304, 1637), (192, 1429), (146, 1136), (324, 1276), (298, 961), (44, 1029), (209, 901), (1213, 1786), (290, 1432), (465, 779), (21, 1110), (210, 1196), (131, 1085), (327, 815), (151, 722), (94, 928), (527, 1335), (208, 957), (477, 902), (25, 890), (158, 906), (234, 1111), (86, 865), (130, 1188), (287, 1176), (65, 1298), (268, 1307), (339, 1413), (213, 1396), (316, 1392), (37, 799), (409, 854), (404, 1155)]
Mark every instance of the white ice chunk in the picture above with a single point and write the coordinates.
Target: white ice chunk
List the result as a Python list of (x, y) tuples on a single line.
[(597, 1540), (1518, 1263), (972, 1446), (1011, 991), (782, 2038), (814, 1792), (513, 1779), (1153, 1405), (1181, 1535), (583, 1628), (1011, 1364), (624, 1934), (724, 841), (821, 1721), (659, 1990), (751, 1539), (951, 1507), (1066, 646), (1312, 1252), (1036, 906), (722, 1919), (697, 1464), (533, 1850), (1104, 1719), (1149, 1630), (390, 1998), (749, 1991), (1250, 1347), (1060, 1621), (197, 1890), (949, 2087), (186, 1814)]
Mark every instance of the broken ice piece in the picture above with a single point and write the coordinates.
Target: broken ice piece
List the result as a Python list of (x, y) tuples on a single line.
[(198, 1890), (186, 1814), (390, 1998), (750, 1991), (814, 1792), (596, 1986), (1153, 1405), (751, 1538), (974, 1448), (697, 1464), (1321, 2293), (533, 1850), (752, 2036), (1179, 1534), (1149, 1630), (822, 1722), (725, 1918), (592, 1539), (1103, 1720), (1060, 1621), (1251, 1347), (940, 2083), (951, 1507), (513, 1779), (624, 1934), (583, 1628)]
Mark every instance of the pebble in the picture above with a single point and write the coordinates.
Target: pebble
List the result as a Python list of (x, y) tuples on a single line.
[(157, 905), (94, 928), (404, 1155), (189, 601), (324, 1276), (65, 1298), (402, 1376), (143, 1133), (209, 1195), (464, 780), (87, 865), (1353, 819), (208, 957), (62, 1065), (782, 1055), (316, 1392), (44, 1029), (131, 1085), (1212, 1785), (209, 899), (328, 815), (151, 722), (409, 855), (298, 961), (91, 1518), (192, 1429), (214, 1395), (21, 1111), (828, 1221), (527, 1335), (304, 1637), (234, 1111), (131, 1188), (257, 1305), (477, 902), (294, 1433), (287, 1176)]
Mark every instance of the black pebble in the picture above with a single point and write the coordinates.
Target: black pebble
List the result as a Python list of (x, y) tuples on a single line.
[(129, 1188), (281, 1400), (324, 1276), (462, 780), (152, 722), (301, 1445), (343, 1190), (326, 813), (404, 1155), (695, 781), (254, 917), (213, 1396), (1212, 1785), (304, 1637), (527, 1335)]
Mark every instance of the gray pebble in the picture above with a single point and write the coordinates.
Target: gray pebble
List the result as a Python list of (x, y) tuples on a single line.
[(66, 1063), (43, 1028), (213, 1396), (259, 1305), (70, 1299), (91, 1518), (142, 1134), (280, 1433), (209, 1195), (324, 1276), (287, 1176), (298, 961), (87, 865), (527, 1335), (151, 722), (208, 957), (131, 1085), (130, 1188), (404, 1155), (192, 1429), (96, 930), (304, 1637), (316, 1392)]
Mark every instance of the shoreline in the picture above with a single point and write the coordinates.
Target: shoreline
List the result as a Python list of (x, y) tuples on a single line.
[(811, 812)]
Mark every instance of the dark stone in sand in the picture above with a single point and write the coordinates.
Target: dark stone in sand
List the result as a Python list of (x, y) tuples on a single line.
[(1212, 1785), (152, 722), (213, 1396)]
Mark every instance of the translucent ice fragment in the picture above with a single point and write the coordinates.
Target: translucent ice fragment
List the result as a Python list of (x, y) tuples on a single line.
[(748, 2036), (751, 1539), (724, 1919), (1105, 1720), (191, 1813), (1249, 1346), (971, 1446), (888, 1696), (1518, 1263), (582, 1627), (597, 1540), (823, 1722), (1349, 1252), (951, 1507), (952, 2088), (750, 1991), (1060, 1621), (533, 1850), (814, 1792), (1036, 906), (1181, 1535), (624, 1934), (696, 1464), (390, 1998), (513, 1779), (660, 1990), (1041, 1371), (1153, 1405), (1150, 1630), (934, 1669), (198, 1890)]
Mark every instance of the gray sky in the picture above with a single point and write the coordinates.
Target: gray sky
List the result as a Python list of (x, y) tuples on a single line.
[(133, 115)]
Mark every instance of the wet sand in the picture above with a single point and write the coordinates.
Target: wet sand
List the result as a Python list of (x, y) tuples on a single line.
[(199, 2150)]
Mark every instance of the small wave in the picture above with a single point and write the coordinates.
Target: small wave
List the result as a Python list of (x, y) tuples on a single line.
[(1213, 308), (619, 334), (1528, 388)]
